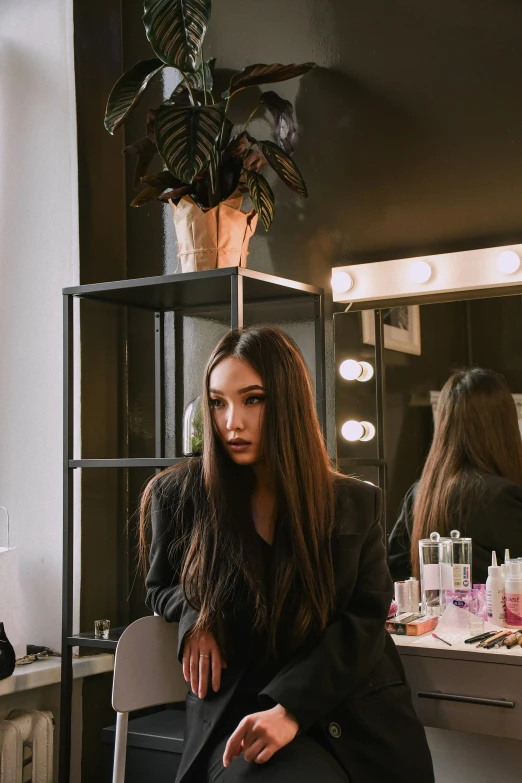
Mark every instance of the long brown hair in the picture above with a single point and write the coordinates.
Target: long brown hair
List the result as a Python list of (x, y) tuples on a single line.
[(214, 543), (476, 429)]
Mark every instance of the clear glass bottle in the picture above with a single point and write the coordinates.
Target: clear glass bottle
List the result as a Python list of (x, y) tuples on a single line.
[(436, 575)]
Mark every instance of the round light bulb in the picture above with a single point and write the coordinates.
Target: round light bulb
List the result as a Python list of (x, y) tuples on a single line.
[(350, 370), (420, 271), (356, 371), (341, 282), (508, 262), (367, 371), (352, 430), (369, 430)]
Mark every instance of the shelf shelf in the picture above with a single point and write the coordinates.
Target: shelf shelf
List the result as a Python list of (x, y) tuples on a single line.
[(217, 294), (132, 462), (194, 289), (86, 639)]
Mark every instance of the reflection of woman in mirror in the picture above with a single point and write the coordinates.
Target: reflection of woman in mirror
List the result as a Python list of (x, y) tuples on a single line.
[(273, 565), (472, 478)]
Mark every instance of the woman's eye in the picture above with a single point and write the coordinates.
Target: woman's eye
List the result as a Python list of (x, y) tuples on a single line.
[(254, 400), (215, 403)]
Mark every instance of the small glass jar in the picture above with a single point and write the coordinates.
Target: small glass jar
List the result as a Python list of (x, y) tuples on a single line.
[(102, 629)]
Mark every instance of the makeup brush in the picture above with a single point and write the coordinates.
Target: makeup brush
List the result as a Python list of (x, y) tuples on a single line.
[(495, 640), (512, 640), (441, 639)]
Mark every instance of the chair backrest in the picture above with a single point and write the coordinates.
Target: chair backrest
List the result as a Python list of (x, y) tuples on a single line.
[(146, 668)]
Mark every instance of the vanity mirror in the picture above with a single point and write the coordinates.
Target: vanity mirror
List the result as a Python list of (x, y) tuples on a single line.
[(467, 312)]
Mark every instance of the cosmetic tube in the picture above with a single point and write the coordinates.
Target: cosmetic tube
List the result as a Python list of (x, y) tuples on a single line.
[(514, 594), (495, 593)]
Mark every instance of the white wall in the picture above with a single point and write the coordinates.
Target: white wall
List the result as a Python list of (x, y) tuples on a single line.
[(38, 256)]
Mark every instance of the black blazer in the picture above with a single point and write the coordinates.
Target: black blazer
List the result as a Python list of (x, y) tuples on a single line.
[(493, 522), (349, 685)]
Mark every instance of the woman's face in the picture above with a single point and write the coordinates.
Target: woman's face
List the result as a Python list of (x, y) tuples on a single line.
[(237, 400)]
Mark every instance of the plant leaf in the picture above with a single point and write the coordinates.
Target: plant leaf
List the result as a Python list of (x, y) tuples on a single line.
[(284, 166), (254, 160), (145, 195), (227, 133), (145, 149), (237, 146), (195, 81), (162, 179), (175, 194), (265, 74), (127, 92), (262, 197), (230, 174), (213, 168), (186, 135), (175, 30), (282, 113)]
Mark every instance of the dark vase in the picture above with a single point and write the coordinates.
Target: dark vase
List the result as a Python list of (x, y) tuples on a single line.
[(7, 655)]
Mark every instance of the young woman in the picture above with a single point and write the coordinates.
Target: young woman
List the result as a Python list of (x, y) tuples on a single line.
[(274, 567), (472, 478)]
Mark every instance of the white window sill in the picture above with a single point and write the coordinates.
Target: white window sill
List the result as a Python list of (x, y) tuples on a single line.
[(48, 672)]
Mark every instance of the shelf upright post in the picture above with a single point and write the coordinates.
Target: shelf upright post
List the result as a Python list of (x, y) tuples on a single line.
[(159, 384), (320, 368), (178, 382), (236, 301), (68, 527), (381, 413)]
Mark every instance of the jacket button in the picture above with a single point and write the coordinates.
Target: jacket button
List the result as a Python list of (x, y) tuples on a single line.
[(335, 730)]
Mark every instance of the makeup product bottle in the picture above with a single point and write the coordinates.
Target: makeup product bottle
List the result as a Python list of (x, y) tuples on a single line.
[(503, 566), (414, 593), (495, 593), (514, 594), (461, 561)]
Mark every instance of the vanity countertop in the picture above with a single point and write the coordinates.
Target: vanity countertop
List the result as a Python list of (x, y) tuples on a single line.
[(429, 647)]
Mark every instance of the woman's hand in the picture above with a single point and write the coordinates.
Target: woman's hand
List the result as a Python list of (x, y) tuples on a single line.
[(260, 735), (196, 667)]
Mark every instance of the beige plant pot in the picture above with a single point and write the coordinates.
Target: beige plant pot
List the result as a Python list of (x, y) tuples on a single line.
[(214, 237)]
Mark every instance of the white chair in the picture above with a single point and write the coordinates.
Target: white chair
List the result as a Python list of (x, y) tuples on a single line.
[(146, 673)]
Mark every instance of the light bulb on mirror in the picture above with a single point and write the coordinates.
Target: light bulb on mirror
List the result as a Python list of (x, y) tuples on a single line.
[(508, 262), (356, 371), (420, 271), (369, 430), (357, 430), (341, 282)]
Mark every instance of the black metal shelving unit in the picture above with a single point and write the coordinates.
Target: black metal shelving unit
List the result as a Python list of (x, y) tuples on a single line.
[(188, 293)]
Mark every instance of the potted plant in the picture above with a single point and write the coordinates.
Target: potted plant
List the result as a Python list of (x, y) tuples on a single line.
[(206, 168)]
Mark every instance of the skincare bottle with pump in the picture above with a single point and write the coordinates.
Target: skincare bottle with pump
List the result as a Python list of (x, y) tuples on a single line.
[(495, 594)]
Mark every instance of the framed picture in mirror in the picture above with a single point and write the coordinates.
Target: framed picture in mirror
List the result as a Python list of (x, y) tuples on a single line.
[(402, 331)]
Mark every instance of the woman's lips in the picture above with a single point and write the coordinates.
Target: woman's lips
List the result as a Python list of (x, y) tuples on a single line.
[(239, 446)]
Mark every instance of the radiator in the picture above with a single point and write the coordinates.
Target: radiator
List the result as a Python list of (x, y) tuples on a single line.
[(30, 730)]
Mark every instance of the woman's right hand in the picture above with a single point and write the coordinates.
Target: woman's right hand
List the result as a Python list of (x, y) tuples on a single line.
[(196, 667)]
